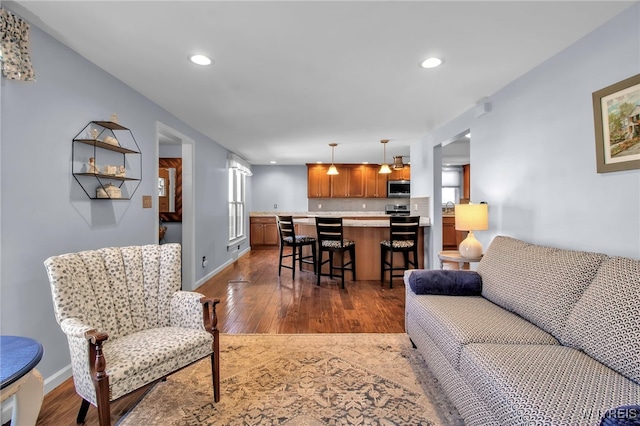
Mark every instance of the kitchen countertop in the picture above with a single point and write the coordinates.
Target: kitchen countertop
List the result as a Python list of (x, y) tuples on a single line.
[(378, 219), (364, 223), (318, 213)]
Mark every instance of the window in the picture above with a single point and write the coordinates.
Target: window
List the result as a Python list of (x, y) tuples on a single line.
[(450, 195), (238, 172), (236, 204), (451, 185)]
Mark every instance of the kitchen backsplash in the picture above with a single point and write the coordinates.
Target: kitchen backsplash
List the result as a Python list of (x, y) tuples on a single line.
[(418, 206)]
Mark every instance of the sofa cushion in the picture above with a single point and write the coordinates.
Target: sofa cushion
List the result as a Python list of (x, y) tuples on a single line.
[(454, 321), (447, 282), (605, 323), (541, 284), (544, 384)]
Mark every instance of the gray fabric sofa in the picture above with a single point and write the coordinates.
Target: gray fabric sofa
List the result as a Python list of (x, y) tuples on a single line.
[(553, 338)]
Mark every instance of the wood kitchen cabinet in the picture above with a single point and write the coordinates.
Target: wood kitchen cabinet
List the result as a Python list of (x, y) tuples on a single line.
[(349, 183), (375, 184), (400, 174), (466, 181), (353, 181), (263, 232), (318, 182), (451, 238)]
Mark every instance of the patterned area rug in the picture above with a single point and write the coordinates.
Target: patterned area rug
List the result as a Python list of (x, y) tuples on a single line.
[(302, 379)]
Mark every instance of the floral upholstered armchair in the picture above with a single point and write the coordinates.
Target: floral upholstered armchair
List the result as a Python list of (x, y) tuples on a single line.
[(127, 322)]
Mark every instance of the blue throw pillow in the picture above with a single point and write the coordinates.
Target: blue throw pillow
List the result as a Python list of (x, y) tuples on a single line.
[(628, 415), (445, 282)]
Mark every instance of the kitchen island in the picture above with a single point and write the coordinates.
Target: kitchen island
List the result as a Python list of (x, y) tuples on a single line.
[(367, 230)]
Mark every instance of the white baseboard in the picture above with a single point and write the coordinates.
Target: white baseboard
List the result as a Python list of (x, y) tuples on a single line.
[(50, 383), (219, 269)]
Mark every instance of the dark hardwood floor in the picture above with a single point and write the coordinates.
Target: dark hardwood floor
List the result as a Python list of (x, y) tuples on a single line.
[(253, 299)]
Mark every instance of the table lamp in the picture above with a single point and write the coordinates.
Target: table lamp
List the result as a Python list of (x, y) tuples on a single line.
[(471, 217)]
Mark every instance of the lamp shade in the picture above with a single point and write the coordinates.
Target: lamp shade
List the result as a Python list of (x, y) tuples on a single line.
[(471, 217), (397, 163), (332, 169), (384, 169)]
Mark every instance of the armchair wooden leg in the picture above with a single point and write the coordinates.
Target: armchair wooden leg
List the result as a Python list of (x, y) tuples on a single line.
[(82, 414), (210, 320), (101, 383), (99, 375), (215, 366)]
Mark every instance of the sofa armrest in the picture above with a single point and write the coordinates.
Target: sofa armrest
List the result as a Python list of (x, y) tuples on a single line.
[(186, 310), (444, 282)]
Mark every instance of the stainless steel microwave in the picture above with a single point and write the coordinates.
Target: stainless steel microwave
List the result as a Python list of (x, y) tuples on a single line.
[(398, 189)]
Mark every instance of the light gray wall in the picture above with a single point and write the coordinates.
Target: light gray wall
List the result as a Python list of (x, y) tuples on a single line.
[(533, 155), (284, 186), (45, 212)]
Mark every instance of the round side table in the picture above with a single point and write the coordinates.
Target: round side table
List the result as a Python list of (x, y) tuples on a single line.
[(454, 256), (19, 377)]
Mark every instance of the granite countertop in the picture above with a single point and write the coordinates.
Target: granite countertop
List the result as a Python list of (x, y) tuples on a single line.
[(378, 219), (321, 213), (364, 223)]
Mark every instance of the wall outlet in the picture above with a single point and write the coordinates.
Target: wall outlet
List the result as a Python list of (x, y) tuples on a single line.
[(275, 206), (204, 261), (415, 206), (364, 206), (319, 206)]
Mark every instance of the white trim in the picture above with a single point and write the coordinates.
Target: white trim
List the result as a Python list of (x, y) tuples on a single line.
[(236, 162), (188, 201), (235, 242), (221, 267)]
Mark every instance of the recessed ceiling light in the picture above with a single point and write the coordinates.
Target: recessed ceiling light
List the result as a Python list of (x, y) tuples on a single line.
[(200, 59), (431, 62)]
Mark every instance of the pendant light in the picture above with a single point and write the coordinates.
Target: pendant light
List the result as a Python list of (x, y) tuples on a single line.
[(332, 169), (397, 163), (384, 168)]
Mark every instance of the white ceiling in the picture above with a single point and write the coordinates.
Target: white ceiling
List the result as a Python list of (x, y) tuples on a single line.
[(292, 76)]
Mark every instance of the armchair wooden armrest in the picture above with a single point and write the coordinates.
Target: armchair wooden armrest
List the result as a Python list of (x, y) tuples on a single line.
[(98, 366), (210, 320), (209, 313)]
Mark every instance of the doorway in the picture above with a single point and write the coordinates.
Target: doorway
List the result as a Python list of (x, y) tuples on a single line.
[(452, 186), (183, 145)]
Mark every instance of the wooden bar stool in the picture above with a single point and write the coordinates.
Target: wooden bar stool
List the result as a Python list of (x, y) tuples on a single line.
[(288, 238), (331, 240), (403, 238)]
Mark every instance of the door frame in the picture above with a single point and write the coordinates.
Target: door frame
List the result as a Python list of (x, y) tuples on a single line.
[(188, 205)]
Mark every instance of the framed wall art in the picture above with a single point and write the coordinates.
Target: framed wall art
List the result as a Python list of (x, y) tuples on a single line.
[(616, 113)]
